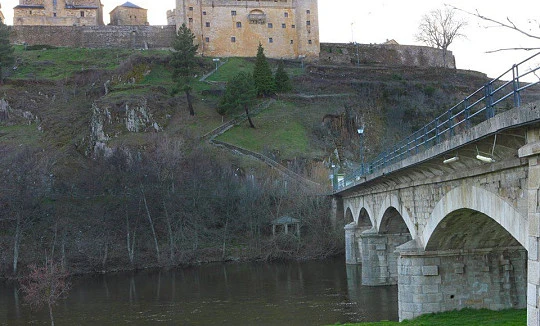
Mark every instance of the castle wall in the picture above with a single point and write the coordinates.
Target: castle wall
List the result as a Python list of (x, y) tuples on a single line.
[(391, 55), (285, 28), (129, 37)]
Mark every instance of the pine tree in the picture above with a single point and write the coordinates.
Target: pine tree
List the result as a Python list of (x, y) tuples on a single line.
[(6, 50), (282, 80), (183, 62), (262, 74), (240, 93)]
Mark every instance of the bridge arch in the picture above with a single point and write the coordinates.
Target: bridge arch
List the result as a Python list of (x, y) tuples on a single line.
[(357, 211), (390, 204), (475, 199)]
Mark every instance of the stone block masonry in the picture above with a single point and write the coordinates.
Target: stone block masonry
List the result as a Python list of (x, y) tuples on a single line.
[(385, 54), (123, 37)]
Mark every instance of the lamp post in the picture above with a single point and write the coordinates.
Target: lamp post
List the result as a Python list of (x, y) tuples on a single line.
[(334, 178), (302, 57), (216, 60), (361, 135)]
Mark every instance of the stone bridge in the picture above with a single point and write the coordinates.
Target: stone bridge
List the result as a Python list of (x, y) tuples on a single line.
[(456, 226)]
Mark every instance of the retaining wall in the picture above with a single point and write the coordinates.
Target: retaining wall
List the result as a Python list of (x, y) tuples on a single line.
[(125, 37), (389, 55)]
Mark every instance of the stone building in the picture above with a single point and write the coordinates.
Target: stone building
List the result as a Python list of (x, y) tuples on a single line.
[(286, 28), (58, 13), (129, 14), (2, 19)]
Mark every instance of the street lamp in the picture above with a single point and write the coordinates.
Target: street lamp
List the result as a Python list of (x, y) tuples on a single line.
[(361, 135), (334, 178), (216, 60), (302, 57)]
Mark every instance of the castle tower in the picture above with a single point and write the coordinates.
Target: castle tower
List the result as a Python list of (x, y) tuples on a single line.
[(286, 28), (2, 19), (58, 13)]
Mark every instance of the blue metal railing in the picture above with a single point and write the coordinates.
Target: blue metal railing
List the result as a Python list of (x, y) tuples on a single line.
[(473, 110)]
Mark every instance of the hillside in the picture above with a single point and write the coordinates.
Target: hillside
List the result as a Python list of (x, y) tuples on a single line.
[(103, 168)]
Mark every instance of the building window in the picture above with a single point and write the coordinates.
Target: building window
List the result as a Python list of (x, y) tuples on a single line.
[(270, 25), (292, 41), (308, 23), (308, 12), (204, 13), (30, 12), (239, 24), (270, 40), (207, 39), (233, 13), (190, 20), (233, 39), (190, 8), (207, 24), (286, 14), (283, 26), (293, 26), (82, 13), (309, 42), (54, 14)]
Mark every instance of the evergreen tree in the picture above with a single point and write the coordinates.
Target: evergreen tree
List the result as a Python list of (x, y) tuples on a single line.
[(282, 80), (240, 93), (183, 62), (6, 50), (262, 74)]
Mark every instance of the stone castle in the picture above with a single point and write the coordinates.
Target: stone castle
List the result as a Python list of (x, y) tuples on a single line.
[(286, 28), (2, 19), (58, 13)]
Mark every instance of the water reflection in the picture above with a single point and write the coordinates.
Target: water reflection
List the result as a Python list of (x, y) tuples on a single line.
[(311, 293)]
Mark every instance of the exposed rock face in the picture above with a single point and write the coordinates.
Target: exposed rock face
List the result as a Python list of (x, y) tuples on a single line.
[(109, 121), (8, 113)]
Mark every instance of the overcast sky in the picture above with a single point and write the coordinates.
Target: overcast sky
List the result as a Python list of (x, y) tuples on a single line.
[(375, 21)]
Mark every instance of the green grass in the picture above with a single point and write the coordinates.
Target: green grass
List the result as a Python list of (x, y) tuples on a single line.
[(277, 129), (232, 67), (468, 317), (20, 134)]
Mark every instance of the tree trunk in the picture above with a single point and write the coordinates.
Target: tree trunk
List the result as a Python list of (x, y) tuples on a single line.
[(151, 221), (16, 244), (51, 316), (169, 230), (248, 116), (189, 102)]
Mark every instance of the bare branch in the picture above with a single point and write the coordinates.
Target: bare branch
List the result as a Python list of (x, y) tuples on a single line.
[(512, 49), (509, 25)]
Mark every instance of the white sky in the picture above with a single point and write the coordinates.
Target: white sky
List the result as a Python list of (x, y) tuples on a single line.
[(378, 20)]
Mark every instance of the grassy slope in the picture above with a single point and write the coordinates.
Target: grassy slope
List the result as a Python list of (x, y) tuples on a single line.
[(286, 128), (463, 317)]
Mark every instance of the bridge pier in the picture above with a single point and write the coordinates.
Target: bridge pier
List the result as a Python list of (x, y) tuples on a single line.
[(531, 151), (353, 253), (446, 280), (379, 257)]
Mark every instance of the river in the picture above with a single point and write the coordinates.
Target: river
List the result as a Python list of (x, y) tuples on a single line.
[(296, 293)]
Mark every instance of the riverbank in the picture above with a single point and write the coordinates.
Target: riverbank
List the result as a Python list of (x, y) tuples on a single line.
[(467, 317)]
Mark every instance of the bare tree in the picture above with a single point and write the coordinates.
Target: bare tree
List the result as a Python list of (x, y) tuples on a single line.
[(509, 24), (439, 28)]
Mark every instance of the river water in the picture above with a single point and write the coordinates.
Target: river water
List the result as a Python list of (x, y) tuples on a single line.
[(307, 293)]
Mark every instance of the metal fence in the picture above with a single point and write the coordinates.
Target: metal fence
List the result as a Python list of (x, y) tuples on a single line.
[(496, 96)]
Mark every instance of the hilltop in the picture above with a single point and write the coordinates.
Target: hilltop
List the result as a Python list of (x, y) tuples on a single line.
[(116, 162)]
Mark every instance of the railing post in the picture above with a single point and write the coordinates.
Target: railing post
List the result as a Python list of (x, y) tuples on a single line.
[(488, 88), (425, 138), (517, 95), (467, 113)]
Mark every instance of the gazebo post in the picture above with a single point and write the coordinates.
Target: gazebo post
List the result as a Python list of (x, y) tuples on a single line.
[(274, 230), (286, 228)]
